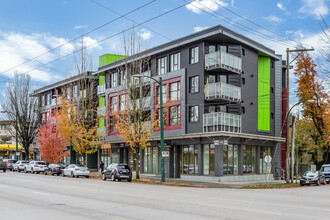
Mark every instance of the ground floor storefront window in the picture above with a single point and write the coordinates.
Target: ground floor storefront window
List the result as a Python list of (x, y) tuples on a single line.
[(109, 156), (208, 159), (249, 159), (189, 159), (151, 155), (264, 151), (230, 159)]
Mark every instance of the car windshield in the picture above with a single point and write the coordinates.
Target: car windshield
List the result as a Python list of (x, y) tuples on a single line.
[(79, 165), (11, 161), (26, 162), (310, 173), (41, 163), (325, 169), (123, 167)]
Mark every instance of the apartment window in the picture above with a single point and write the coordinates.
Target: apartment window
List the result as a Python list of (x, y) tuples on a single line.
[(174, 115), (161, 65), (113, 80), (75, 91), (123, 78), (113, 124), (243, 81), (211, 48), (194, 84), (113, 102), (123, 102), (223, 78), (211, 109), (175, 91), (174, 62), (164, 94), (243, 110), (243, 52), (194, 55), (48, 99), (42, 100), (193, 113), (3, 127), (223, 48), (223, 108)]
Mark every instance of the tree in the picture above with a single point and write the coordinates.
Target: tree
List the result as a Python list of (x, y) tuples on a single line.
[(309, 87), (21, 110), (50, 143)]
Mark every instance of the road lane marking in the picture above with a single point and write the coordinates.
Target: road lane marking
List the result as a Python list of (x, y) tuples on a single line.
[(240, 209), (41, 193)]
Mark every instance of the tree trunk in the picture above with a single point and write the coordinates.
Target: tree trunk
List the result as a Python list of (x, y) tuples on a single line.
[(137, 162)]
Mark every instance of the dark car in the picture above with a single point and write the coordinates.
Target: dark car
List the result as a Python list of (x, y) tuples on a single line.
[(3, 165), (311, 177), (117, 172), (325, 169), (9, 163), (53, 169)]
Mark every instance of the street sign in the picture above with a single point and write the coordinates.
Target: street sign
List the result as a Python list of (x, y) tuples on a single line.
[(165, 154), (268, 159)]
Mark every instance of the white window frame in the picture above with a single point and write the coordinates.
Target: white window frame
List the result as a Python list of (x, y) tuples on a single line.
[(174, 62)]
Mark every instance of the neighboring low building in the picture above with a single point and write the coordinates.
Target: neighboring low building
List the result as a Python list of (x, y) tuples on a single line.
[(8, 141), (225, 111)]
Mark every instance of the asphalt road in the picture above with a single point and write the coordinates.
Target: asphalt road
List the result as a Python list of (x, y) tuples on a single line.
[(33, 196)]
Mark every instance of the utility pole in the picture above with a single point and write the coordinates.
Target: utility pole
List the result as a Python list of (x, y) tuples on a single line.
[(292, 146), (288, 51)]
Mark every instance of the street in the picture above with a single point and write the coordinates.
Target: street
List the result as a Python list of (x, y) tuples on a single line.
[(33, 196)]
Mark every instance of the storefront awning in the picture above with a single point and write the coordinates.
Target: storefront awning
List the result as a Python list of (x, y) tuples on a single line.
[(10, 147)]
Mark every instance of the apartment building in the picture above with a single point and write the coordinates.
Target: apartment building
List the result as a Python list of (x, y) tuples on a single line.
[(75, 88), (223, 107), (8, 141)]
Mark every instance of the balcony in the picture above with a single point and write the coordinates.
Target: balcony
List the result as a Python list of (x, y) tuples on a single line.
[(223, 61), (101, 111), (101, 89), (101, 131), (221, 121), (222, 90)]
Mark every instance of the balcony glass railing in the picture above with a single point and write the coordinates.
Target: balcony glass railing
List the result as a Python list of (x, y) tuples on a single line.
[(223, 58), (221, 121), (101, 89), (222, 90), (101, 111), (101, 131)]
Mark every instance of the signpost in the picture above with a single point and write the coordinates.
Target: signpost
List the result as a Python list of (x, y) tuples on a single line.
[(165, 154), (268, 160)]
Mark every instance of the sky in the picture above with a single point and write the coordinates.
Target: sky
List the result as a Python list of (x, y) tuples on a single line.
[(39, 37)]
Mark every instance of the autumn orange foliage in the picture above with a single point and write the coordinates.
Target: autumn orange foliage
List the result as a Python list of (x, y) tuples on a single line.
[(50, 143)]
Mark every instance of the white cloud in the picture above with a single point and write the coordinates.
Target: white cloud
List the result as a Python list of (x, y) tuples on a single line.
[(316, 8), (198, 6), (77, 27), (200, 28), (144, 34), (280, 6), (273, 18), (89, 43), (17, 48)]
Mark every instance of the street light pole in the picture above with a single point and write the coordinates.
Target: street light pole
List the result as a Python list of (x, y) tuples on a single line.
[(162, 160)]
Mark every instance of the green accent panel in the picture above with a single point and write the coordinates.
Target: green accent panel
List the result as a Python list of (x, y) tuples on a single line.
[(101, 101), (73, 148), (109, 58), (264, 93), (101, 79), (101, 123)]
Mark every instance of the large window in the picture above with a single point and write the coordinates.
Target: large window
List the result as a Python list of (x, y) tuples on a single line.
[(150, 160), (250, 159), (114, 103), (194, 55), (123, 102), (264, 167), (193, 113), (190, 160), (208, 159), (174, 62), (161, 65), (174, 115), (113, 124), (230, 159), (193, 84), (175, 91), (164, 91), (113, 80)]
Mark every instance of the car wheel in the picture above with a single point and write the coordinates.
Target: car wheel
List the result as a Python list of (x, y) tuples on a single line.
[(77, 176), (113, 177), (87, 176), (4, 170), (103, 177), (37, 172), (11, 169), (52, 174), (18, 170), (45, 173), (129, 180), (72, 175)]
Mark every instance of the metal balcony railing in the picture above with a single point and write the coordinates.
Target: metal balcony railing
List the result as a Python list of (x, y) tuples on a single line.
[(101, 131), (223, 59), (221, 121), (222, 90)]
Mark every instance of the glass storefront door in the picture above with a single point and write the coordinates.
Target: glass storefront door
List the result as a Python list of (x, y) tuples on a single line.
[(208, 159), (249, 159), (264, 167), (190, 159), (230, 159)]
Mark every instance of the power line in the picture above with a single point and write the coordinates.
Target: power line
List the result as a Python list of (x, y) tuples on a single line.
[(76, 38)]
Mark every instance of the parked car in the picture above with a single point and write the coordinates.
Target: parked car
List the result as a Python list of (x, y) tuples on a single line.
[(117, 172), (325, 169), (9, 163), (76, 170), (20, 165), (311, 177), (54, 169), (35, 167), (3, 165)]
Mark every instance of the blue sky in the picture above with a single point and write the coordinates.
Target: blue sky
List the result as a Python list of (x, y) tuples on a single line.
[(31, 28)]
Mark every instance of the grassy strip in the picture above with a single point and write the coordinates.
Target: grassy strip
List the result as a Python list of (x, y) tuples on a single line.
[(156, 182), (269, 186)]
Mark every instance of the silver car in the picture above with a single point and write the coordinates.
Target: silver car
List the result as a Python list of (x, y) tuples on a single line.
[(20, 165), (76, 170), (35, 167)]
